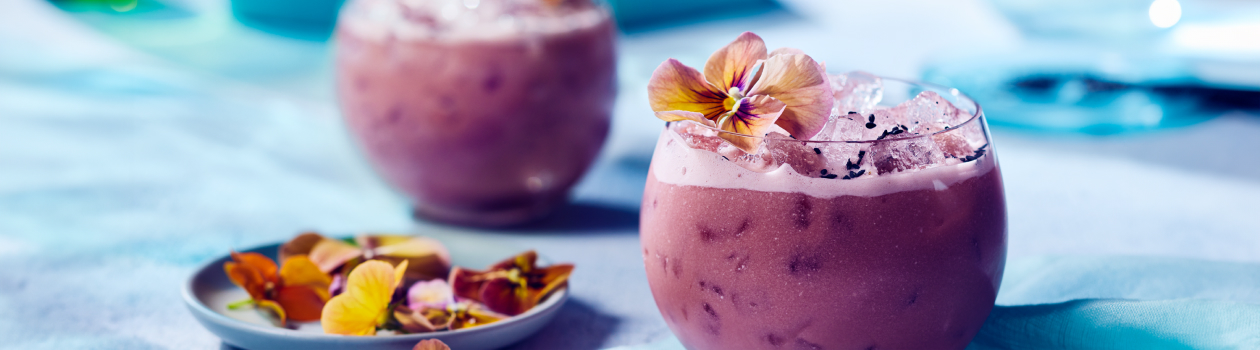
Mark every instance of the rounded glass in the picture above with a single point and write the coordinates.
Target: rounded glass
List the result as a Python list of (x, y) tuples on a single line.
[(476, 126), (897, 243)]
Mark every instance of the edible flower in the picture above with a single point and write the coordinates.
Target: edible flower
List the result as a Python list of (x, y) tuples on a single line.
[(297, 290), (512, 286), (431, 306), (427, 257), (744, 90), (431, 344), (365, 303)]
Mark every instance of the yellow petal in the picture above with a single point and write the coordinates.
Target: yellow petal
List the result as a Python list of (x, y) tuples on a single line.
[(677, 87), (272, 309), (366, 299), (732, 65), (800, 83), (346, 315), (299, 270), (428, 258), (674, 116), (554, 277), (328, 254), (753, 116)]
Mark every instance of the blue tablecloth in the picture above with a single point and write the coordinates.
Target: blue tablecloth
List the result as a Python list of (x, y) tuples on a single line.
[(127, 158)]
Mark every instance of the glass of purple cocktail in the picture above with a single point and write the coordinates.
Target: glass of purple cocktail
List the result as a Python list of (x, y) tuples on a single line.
[(482, 112), (885, 228)]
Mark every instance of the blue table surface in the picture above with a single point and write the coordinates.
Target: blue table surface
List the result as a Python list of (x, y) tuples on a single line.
[(128, 158)]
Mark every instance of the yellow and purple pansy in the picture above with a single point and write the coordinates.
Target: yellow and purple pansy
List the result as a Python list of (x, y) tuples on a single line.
[(745, 90)]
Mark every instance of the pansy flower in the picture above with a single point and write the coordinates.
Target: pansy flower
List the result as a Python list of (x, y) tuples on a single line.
[(427, 258), (745, 90), (512, 286), (365, 303), (297, 290)]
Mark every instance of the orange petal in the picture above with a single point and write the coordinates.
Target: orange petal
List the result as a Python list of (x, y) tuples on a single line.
[(753, 116), (732, 65), (677, 87), (300, 245), (431, 344), (800, 83), (328, 254), (258, 262), (301, 303), (247, 278), (553, 277), (674, 116), (272, 309), (301, 271)]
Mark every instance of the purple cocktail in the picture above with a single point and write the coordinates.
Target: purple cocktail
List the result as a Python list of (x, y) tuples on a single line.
[(482, 112), (886, 230)]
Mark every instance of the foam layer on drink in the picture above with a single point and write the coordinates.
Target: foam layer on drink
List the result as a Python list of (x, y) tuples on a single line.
[(675, 162), (467, 20)]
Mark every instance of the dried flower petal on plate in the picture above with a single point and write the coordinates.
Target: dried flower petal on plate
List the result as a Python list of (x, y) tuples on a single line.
[(365, 304), (427, 257), (296, 291), (512, 286), (431, 344)]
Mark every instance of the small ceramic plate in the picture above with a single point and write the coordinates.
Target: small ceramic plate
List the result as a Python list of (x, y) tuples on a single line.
[(209, 291)]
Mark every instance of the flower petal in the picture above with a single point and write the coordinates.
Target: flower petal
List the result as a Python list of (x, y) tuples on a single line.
[(800, 83), (300, 245), (677, 87), (674, 116), (273, 310), (331, 253), (786, 51), (431, 294), (261, 263), (413, 321), (300, 303), (553, 277), (732, 65), (431, 344), (504, 296), (466, 283), (248, 279), (524, 261), (752, 116), (299, 270), (346, 315), (428, 258), (368, 292)]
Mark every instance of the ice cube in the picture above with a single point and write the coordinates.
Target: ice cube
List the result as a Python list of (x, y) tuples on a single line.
[(843, 127), (906, 155), (926, 113), (856, 91), (697, 136), (804, 157)]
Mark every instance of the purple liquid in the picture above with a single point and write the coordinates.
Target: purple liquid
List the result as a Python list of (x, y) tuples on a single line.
[(480, 131), (739, 269)]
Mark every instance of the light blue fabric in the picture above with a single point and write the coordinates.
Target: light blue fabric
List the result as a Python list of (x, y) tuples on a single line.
[(1116, 303)]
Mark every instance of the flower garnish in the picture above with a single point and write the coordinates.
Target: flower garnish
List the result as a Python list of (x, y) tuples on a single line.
[(512, 286), (745, 90), (427, 257), (295, 291), (431, 344), (366, 301)]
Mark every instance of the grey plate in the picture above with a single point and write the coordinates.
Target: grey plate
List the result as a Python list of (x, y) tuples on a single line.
[(209, 291)]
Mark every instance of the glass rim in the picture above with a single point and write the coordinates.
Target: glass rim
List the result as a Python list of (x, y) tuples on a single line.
[(953, 91)]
